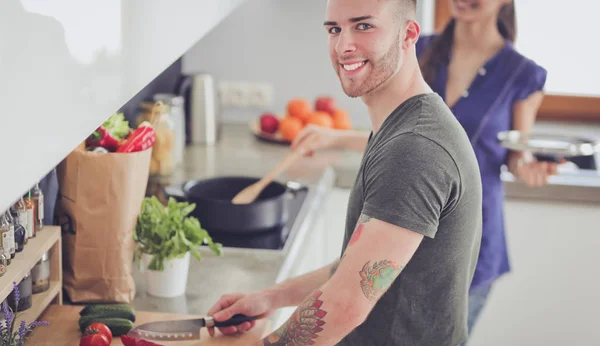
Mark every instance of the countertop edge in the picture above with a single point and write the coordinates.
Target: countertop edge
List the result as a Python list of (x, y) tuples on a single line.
[(560, 189), (570, 188), (308, 216)]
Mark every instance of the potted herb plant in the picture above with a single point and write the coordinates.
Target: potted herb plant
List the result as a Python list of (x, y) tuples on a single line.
[(165, 237), (9, 336)]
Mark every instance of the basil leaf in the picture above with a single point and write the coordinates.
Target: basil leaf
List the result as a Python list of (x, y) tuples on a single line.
[(169, 232)]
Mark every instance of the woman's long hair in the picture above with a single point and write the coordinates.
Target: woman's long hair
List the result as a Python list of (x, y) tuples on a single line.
[(439, 50)]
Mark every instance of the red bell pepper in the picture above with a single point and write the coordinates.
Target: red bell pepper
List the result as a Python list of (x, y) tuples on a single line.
[(102, 138), (140, 139), (130, 341)]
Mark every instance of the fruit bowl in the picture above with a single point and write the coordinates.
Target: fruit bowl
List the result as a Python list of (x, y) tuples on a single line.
[(265, 136), (298, 114)]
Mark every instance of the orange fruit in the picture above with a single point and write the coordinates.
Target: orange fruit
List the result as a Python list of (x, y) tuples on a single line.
[(342, 125), (299, 108), (290, 127), (320, 119), (341, 120)]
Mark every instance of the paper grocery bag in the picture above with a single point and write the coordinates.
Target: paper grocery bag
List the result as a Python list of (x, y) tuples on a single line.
[(99, 202)]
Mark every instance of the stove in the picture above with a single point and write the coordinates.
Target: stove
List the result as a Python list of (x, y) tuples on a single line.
[(273, 238)]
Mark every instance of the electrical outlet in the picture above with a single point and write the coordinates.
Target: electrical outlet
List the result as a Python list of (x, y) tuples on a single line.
[(231, 94), (241, 94), (260, 95)]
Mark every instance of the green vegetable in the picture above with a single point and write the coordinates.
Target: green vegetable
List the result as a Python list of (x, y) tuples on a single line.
[(168, 232), (118, 326), (109, 310), (117, 126)]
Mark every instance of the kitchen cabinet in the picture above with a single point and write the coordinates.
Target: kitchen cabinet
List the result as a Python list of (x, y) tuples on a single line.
[(322, 243), (552, 295), (47, 240), (67, 66)]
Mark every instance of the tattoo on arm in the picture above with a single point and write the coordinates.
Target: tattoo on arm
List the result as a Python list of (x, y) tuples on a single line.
[(377, 278), (357, 232), (359, 228), (303, 327)]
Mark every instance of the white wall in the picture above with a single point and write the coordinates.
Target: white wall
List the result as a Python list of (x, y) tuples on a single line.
[(281, 42), (65, 66), (579, 77)]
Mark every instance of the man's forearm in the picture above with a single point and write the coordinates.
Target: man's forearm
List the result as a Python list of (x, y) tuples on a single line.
[(293, 291), (353, 140), (323, 318)]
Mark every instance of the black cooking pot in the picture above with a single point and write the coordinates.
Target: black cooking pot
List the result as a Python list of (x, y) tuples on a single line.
[(215, 211)]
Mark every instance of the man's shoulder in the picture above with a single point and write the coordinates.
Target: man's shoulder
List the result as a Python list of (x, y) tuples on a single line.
[(412, 148)]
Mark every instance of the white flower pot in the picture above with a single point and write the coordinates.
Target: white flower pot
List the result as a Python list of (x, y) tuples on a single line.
[(169, 283)]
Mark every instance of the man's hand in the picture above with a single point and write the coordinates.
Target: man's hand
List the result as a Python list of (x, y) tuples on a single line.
[(256, 304)]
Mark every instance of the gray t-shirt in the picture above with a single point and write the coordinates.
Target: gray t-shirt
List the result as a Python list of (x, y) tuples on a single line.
[(419, 172)]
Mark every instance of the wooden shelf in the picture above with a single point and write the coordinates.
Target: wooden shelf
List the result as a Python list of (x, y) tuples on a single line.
[(40, 302), (48, 239)]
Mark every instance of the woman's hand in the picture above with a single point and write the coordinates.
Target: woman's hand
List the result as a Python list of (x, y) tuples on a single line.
[(532, 172), (313, 138)]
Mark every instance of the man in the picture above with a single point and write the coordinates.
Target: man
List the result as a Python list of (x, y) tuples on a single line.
[(414, 216)]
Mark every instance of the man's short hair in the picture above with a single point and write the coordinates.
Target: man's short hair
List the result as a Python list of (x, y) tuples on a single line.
[(406, 9)]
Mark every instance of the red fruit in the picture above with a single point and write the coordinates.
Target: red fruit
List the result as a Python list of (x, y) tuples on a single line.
[(325, 104), (99, 328), (269, 123), (94, 340)]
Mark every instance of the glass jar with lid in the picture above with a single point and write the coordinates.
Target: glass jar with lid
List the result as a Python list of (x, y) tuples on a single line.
[(162, 162), (175, 108), (25, 295), (40, 275)]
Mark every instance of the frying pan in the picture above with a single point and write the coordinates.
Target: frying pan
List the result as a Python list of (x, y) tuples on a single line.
[(216, 212), (549, 147)]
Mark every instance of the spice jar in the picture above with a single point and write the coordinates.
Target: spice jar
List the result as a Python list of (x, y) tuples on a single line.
[(40, 275), (175, 104), (25, 295), (162, 162)]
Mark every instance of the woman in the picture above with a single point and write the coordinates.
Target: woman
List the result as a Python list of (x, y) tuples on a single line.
[(490, 88)]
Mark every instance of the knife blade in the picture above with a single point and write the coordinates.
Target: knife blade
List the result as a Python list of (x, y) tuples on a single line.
[(183, 329)]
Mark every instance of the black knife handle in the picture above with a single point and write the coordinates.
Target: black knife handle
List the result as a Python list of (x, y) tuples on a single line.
[(235, 320)]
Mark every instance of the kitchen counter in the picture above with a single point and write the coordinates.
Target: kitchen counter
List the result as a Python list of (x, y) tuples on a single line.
[(64, 329), (580, 187), (238, 152), (568, 186)]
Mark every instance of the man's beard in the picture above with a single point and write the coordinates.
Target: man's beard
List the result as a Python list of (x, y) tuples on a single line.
[(381, 71)]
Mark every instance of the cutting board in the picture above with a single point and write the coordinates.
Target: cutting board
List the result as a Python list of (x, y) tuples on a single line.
[(64, 329)]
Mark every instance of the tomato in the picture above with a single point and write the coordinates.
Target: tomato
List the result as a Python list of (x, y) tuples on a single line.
[(94, 340), (99, 328), (129, 341)]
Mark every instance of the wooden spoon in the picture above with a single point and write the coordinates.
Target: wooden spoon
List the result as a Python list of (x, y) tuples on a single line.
[(250, 193)]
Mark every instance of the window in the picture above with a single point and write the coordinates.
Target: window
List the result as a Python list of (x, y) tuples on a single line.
[(562, 40), (560, 37)]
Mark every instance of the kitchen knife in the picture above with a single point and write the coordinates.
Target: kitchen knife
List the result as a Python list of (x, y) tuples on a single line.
[(183, 329)]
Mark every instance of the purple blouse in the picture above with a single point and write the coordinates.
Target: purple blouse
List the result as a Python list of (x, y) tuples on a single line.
[(484, 110)]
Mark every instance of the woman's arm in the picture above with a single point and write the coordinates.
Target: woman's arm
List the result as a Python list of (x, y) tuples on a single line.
[(522, 164)]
